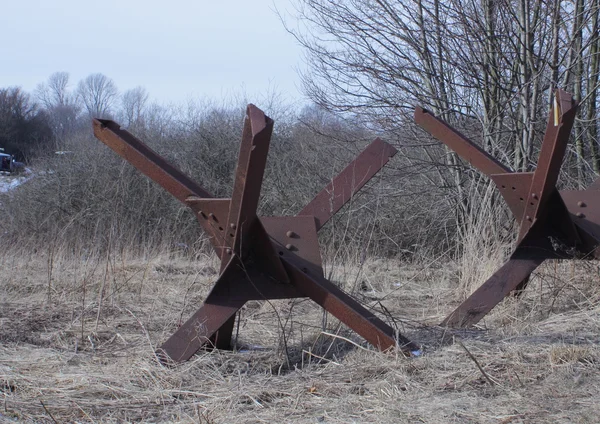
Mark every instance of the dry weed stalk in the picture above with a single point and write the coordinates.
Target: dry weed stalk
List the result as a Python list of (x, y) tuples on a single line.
[(483, 243)]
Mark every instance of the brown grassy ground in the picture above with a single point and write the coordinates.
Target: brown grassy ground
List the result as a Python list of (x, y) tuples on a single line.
[(77, 345)]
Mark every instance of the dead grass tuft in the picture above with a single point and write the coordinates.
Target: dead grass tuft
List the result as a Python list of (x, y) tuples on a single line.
[(561, 355)]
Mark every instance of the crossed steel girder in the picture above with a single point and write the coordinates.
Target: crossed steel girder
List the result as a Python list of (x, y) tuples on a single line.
[(261, 257), (554, 224)]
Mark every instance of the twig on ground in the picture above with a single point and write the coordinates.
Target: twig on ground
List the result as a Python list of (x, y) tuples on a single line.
[(48, 412), (337, 336), (485, 374)]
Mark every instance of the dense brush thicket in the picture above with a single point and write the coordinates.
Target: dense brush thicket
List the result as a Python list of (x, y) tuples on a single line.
[(89, 198)]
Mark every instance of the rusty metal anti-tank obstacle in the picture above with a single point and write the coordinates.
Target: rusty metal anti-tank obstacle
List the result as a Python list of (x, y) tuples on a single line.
[(261, 257), (554, 224)]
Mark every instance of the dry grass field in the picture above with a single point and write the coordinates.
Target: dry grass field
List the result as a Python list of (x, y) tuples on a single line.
[(78, 333)]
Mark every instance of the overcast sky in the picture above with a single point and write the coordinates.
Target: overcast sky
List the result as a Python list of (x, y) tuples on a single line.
[(176, 49)]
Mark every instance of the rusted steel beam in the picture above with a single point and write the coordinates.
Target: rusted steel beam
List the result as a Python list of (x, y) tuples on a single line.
[(348, 310), (249, 175), (151, 164), (337, 193), (206, 322), (465, 148), (550, 160), (236, 285), (508, 278), (147, 160)]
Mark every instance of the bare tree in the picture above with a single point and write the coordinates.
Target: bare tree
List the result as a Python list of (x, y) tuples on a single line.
[(488, 67), (592, 88), (60, 105), (55, 91), (133, 104), (486, 63), (98, 94)]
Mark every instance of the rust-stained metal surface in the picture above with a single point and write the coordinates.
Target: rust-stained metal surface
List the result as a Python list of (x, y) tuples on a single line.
[(550, 160), (349, 181), (514, 187), (147, 160), (465, 148), (301, 243), (553, 224), (261, 257)]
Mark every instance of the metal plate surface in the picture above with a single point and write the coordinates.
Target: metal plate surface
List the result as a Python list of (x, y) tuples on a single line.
[(514, 188), (296, 239), (550, 160)]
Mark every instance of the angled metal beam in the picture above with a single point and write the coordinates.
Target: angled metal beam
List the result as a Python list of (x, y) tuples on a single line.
[(347, 310), (508, 278), (147, 161), (243, 229), (550, 160), (341, 189), (249, 173), (464, 147), (236, 285)]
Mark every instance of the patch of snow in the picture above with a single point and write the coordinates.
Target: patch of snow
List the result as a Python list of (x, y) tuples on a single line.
[(8, 183)]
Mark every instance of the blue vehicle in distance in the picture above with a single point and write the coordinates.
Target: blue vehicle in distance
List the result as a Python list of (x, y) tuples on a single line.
[(9, 164)]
